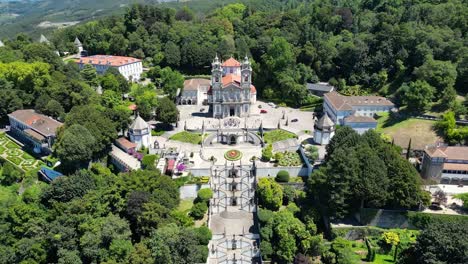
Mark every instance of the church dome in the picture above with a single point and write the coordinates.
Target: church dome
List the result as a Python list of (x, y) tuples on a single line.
[(325, 123)]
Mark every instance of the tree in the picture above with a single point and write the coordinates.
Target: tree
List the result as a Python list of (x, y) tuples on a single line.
[(417, 96), (89, 74), (172, 54), (9, 174), (438, 74), (101, 127), (67, 188), (171, 80), (270, 194), (198, 210), (54, 109), (167, 111), (75, 146), (441, 242), (69, 257), (172, 244), (185, 14)]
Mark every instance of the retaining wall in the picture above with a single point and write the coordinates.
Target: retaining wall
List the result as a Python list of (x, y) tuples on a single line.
[(190, 190)]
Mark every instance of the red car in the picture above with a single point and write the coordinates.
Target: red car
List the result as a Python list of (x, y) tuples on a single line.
[(263, 111)]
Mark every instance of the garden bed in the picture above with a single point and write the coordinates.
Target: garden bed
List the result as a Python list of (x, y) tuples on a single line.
[(290, 159)]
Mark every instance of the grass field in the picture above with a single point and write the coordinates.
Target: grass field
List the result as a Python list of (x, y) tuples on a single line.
[(185, 205), (420, 131), (277, 135), (187, 137)]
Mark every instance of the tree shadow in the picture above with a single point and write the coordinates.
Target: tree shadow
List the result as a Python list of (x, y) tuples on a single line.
[(163, 127), (394, 118)]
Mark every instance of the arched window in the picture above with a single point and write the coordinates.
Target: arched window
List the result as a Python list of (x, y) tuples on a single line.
[(246, 78)]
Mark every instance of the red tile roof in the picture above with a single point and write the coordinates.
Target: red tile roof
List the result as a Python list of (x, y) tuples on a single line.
[(235, 80), (125, 143), (231, 62), (115, 61), (451, 153)]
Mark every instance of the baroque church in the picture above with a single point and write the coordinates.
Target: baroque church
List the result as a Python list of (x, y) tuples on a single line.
[(231, 92)]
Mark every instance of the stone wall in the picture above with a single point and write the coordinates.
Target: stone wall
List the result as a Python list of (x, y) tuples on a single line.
[(190, 190)]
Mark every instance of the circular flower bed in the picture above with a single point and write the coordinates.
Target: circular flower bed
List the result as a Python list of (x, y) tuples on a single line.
[(233, 155)]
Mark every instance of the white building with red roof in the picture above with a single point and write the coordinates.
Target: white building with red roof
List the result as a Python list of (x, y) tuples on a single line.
[(130, 68), (231, 92)]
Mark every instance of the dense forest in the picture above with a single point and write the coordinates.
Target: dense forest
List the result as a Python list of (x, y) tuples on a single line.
[(412, 51)]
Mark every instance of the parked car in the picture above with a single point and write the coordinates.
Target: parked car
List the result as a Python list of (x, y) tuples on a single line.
[(294, 120), (202, 110), (263, 111)]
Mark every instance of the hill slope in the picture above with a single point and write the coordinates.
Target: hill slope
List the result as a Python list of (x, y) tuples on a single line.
[(39, 16)]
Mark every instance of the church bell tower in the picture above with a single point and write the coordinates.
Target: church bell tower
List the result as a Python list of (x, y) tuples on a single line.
[(216, 73)]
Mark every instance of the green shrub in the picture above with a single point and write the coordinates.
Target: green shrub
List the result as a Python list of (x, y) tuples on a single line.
[(282, 176), (267, 153), (203, 234), (198, 210), (204, 195), (464, 198)]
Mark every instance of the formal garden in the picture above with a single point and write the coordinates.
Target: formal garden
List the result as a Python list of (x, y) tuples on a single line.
[(12, 152), (373, 244), (277, 135), (187, 137)]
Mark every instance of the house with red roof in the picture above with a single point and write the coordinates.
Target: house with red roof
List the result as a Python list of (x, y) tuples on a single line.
[(34, 129), (130, 68), (231, 92)]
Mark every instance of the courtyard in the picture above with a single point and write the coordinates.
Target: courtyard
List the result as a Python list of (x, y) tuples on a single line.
[(13, 153), (194, 118)]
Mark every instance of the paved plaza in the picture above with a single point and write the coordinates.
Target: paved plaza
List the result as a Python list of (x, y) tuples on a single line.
[(191, 115)]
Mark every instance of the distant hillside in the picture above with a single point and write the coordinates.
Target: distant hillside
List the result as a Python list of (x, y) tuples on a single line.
[(39, 16)]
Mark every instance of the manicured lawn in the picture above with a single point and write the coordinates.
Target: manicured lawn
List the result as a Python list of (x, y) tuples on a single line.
[(15, 160), (420, 131), (277, 135), (185, 205), (187, 137)]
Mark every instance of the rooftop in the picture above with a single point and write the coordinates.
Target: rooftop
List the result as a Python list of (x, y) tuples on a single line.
[(194, 84), (451, 153), (114, 61), (321, 86), (129, 161), (236, 80), (341, 102), (325, 122), (125, 143), (139, 124), (359, 119), (42, 124), (231, 62), (456, 166)]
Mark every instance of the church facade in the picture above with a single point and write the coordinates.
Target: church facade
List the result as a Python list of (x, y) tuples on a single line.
[(231, 92)]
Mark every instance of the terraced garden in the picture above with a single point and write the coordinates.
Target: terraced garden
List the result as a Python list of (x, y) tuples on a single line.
[(13, 153)]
